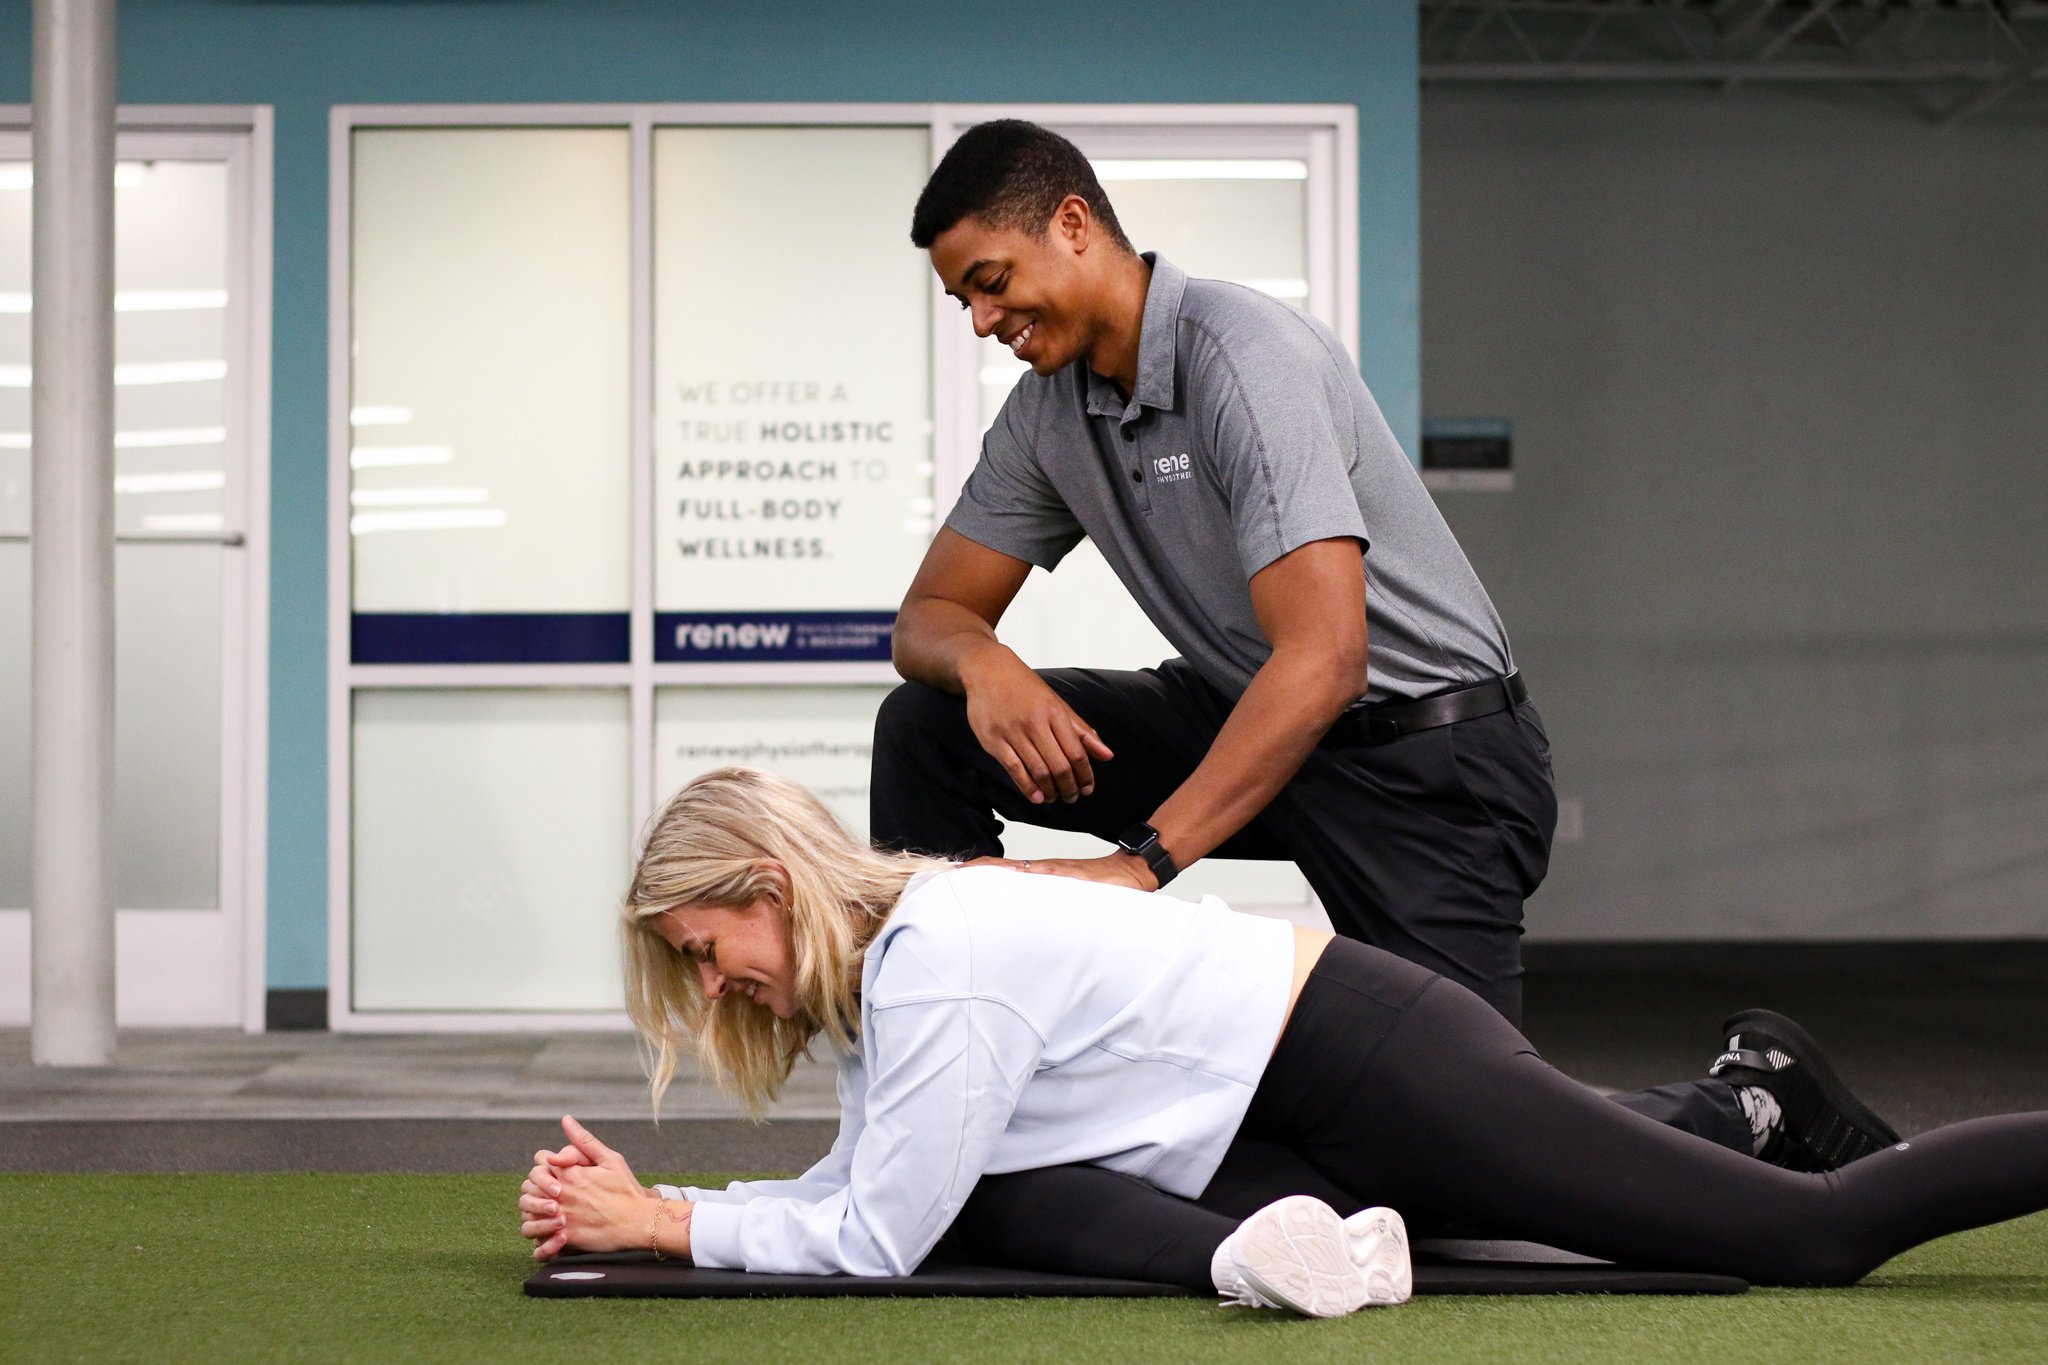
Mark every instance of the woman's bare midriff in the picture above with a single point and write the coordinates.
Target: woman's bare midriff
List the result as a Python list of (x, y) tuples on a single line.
[(1308, 947)]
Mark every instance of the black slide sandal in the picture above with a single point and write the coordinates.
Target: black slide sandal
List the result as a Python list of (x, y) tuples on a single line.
[(1822, 1115)]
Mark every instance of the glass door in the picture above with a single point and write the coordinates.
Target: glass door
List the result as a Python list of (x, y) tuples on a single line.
[(181, 381)]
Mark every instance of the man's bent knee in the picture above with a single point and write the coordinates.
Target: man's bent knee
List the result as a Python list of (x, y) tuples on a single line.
[(916, 709)]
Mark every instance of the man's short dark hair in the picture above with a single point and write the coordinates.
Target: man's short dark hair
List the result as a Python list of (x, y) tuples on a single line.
[(1009, 174)]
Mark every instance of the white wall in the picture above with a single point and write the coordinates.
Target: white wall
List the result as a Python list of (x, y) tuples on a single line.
[(1776, 562)]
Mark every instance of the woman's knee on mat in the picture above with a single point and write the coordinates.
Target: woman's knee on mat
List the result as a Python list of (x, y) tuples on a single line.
[(1089, 1220)]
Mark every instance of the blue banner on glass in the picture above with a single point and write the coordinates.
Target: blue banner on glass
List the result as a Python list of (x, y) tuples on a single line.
[(490, 638), (771, 636)]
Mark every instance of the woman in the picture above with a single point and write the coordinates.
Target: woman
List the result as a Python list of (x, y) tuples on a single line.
[(1122, 1048)]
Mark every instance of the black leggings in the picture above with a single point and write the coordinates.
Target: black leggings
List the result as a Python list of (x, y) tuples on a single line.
[(1391, 1085)]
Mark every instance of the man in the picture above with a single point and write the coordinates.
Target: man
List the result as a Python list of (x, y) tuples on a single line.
[(1345, 699)]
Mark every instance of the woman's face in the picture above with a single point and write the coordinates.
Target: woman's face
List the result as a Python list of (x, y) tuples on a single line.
[(744, 950)]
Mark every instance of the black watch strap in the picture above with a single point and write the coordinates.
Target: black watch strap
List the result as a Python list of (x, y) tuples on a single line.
[(1142, 841)]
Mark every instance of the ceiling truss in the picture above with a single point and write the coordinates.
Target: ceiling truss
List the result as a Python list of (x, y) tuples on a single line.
[(1952, 59)]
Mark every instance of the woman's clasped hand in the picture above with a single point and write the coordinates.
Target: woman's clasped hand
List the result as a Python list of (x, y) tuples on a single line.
[(586, 1198)]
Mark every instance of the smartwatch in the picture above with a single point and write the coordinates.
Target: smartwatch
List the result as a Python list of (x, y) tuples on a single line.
[(1142, 841)]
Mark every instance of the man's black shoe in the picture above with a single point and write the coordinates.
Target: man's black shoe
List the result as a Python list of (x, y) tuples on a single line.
[(1824, 1126)]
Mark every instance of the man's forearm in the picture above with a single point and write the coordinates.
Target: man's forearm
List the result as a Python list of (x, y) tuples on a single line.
[(1268, 735), (936, 641)]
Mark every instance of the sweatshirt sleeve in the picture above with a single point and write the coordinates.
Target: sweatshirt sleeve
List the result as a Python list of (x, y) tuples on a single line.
[(946, 1076)]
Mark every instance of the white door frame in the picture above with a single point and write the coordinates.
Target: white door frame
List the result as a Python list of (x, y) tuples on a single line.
[(160, 954)]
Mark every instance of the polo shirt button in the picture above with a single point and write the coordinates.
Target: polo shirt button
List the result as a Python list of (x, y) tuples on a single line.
[(1137, 476), (1130, 433)]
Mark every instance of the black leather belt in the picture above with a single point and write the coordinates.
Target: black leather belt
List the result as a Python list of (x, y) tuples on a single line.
[(1388, 721)]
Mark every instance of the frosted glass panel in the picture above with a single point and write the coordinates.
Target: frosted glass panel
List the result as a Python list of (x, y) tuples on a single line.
[(167, 726), (490, 450), (792, 380), (171, 475), (14, 727), (15, 269), (822, 737), (167, 653), (1254, 231), (492, 841), (170, 345), (170, 375)]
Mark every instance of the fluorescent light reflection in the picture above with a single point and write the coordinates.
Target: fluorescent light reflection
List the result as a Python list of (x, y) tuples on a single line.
[(157, 372), (1190, 169), (182, 521), (138, 301), (170, 436), (182, 481), (417, 497), (456, 519), (21, 175), (137, 440), (379, 416), (394, 457)]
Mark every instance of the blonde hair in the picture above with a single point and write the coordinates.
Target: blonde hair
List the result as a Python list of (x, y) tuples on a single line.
[(729, 839)]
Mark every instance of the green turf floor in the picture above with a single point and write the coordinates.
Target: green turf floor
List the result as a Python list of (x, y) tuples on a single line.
[(339, 1267)]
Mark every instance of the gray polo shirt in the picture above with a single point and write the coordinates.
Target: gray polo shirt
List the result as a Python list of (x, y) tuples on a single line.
[(1250, 434)]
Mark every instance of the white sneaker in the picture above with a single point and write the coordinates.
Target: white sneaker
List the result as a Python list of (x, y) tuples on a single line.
[(1378, 1242), (1297, 1254)]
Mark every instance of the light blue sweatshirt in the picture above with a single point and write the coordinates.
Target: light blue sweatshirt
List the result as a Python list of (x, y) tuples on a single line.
[(1009, 1022)]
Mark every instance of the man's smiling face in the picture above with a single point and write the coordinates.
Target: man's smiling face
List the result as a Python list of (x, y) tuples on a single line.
[(1027, 291)]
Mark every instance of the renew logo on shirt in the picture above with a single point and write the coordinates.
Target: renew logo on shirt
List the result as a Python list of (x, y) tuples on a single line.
[(1173, 468)]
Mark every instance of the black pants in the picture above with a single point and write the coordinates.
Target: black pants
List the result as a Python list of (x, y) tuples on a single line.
[(1425, 847), (1393, 1086)]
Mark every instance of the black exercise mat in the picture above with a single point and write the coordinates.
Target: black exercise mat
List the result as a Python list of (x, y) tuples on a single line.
[(637, 1275)]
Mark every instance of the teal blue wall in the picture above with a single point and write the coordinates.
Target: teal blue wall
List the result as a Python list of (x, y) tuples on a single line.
[(304, 56)]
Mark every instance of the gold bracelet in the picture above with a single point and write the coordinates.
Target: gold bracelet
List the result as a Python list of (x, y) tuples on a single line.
[(654, 1229)]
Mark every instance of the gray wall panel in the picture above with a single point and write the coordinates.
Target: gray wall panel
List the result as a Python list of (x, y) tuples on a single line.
[(1776, 560)]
